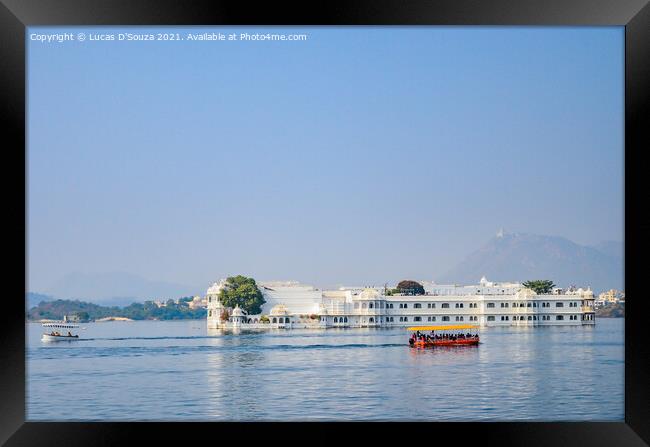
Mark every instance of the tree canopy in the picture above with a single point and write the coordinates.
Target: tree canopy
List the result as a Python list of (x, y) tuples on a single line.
[(540, 286), (243, 292), (409, 287), (55, 310)]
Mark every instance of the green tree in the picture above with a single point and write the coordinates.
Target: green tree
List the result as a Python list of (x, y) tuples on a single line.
[(408, 287), (82, 316), (540, 286), (243, 292)]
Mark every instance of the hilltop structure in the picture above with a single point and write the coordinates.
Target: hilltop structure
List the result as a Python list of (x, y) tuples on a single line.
[(295, 305)]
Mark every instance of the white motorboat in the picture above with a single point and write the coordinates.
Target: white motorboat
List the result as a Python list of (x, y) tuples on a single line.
[(59, 331)]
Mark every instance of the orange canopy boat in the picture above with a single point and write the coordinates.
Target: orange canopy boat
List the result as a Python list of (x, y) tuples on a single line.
[(446, 336)]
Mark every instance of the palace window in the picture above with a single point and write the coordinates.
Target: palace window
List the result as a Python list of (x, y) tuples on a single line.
[(559, 304), (445, 318), (559, 317), (490, 318), (389, 305), (406, 305), (372, 320), (406, 318), (528, 304), (417, 306), (363, 305), (529, 318), (445, 305), (490, 305), (336, 320), (417, 319), (370, 305), (345, 319), (534, 304), (209, 313)]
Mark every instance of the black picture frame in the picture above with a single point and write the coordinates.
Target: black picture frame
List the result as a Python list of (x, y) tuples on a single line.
[(15, 15)]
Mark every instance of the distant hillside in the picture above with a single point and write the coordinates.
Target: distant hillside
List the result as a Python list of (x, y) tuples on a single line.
[(115, 288), (611, 248), (34, 298), (55, 310), (520, 257)]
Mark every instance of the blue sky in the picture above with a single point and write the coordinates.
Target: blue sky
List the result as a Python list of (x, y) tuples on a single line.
[(361, 155)]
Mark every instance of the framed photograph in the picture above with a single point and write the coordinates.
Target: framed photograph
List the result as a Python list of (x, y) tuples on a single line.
[(424, 218)]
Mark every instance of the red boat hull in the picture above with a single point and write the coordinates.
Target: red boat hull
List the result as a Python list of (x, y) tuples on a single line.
[(461, 342)]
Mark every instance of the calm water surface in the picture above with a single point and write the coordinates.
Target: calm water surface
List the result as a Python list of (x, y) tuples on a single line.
[(157, 370)]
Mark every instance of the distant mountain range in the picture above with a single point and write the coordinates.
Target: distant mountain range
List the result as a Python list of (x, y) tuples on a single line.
[(505, 257), (112, 289), (521, 257), (33, 299)]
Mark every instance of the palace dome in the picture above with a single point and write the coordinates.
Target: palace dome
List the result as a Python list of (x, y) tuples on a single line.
[(279, 309), (238, 312), (369, 294), (216, 287)]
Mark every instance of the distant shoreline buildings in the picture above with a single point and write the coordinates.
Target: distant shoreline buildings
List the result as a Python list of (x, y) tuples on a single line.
[(612, 296), (294, 305)]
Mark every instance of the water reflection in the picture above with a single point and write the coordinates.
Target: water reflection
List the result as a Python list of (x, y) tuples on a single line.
[(515, 373)]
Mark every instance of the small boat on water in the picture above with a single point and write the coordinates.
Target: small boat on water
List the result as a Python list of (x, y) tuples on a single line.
[(449, 335), (59, 331)]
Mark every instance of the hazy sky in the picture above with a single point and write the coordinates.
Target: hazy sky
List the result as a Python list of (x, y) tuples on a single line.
[(359, 156)]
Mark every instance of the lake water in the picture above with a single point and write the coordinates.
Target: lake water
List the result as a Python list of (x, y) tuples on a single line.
[(175, 370)]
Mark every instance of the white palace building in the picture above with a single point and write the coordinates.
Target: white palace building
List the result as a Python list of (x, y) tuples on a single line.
[(294, 305)]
